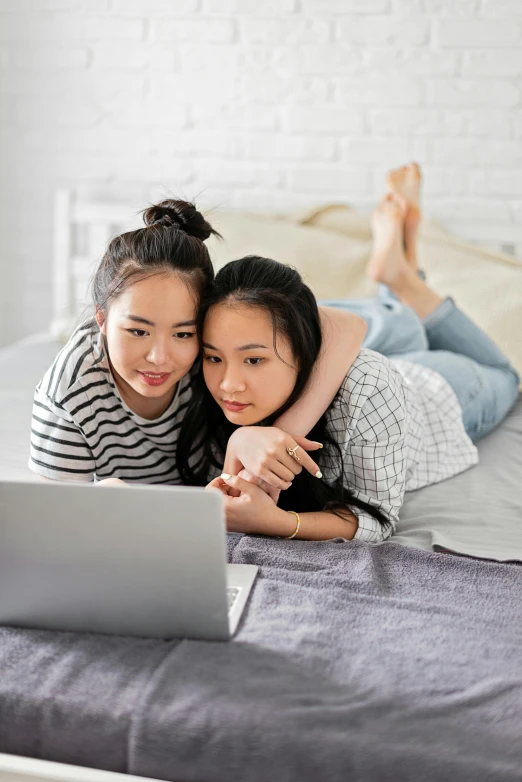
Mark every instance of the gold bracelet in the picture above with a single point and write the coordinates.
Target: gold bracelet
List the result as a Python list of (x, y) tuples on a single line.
[(289, 537)]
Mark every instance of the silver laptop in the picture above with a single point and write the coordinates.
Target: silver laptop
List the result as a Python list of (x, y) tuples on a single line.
[(135, 560)]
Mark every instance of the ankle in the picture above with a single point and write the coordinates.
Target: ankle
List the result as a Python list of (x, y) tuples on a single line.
[(411, 258), (412, 291), (405, 284)]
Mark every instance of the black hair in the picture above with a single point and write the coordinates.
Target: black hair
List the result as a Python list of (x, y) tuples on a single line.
[(279, 290), (171, 241)]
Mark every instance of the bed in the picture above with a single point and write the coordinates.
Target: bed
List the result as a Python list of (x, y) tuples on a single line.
[(400, 661)]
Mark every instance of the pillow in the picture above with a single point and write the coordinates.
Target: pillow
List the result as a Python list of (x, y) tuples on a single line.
[(330, 246)]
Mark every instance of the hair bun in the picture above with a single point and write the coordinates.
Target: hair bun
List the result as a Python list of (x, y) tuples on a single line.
[(179, 214)]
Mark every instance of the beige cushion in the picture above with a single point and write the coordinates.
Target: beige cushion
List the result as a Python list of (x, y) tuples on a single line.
[(330, 247)]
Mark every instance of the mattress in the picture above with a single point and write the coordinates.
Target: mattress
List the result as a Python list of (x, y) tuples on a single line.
[(477, 513), (351, 661)]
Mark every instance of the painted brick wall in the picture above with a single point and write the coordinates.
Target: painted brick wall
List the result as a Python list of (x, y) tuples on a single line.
[(257, 104)]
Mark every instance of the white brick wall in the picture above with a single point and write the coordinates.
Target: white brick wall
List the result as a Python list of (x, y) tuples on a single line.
[(254, 104)]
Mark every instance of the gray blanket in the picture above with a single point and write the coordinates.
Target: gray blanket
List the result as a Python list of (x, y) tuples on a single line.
[(351, 663)]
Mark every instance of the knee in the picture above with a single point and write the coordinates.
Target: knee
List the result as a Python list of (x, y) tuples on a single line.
[(497, 396), (513, 383), (504, 394)]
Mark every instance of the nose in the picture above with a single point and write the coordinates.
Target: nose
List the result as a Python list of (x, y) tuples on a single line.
[(231, 381), (158, 353)]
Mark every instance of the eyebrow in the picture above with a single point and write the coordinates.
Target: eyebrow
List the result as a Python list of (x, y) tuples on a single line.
[(137, 319), (251, 346)]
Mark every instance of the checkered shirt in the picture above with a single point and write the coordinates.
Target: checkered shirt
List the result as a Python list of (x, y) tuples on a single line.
[(399, 426)]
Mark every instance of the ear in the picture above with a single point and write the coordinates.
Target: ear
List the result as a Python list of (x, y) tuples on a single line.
[(100, 320)]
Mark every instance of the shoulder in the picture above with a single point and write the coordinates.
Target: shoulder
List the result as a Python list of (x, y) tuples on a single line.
[(80, 364), (371, 373), (372, 391)]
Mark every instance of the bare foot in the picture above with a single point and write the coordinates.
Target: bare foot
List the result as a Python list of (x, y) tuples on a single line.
[(387, 262), (406, 183), (409, 233)]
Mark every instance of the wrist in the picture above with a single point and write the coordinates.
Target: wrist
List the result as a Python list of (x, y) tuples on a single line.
[(281, 524)]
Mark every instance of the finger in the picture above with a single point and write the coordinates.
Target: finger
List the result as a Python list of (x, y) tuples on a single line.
[(291, 463), (218, 484), (306, 444), (273, 493), (268, 488), (279, 474), (271, 490), (308, 463), (235, 482), (232, 492)]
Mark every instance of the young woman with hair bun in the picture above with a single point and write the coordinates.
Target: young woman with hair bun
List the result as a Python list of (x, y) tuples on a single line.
[(111, 405)]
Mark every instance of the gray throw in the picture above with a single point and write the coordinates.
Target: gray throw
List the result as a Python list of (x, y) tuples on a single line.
[(351, 663)]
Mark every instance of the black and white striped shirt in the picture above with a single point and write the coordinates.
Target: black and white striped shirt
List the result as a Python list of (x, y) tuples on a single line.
[(82, 430), (399, 426)]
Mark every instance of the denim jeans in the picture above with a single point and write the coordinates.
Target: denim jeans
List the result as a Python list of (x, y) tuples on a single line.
[(447, 341)]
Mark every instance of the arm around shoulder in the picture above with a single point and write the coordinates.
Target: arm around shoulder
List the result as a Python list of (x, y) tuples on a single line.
[(343, 334)]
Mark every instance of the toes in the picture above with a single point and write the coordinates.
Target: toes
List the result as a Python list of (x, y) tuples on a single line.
[(395, 173)]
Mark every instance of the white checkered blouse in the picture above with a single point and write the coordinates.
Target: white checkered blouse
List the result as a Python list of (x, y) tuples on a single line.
[(400, 427)]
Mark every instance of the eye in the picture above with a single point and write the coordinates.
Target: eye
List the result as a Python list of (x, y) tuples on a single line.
[(184, 334), (212, 359), (137, 332), (253, 362)]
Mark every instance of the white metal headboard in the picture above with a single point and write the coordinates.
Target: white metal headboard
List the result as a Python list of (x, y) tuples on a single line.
[(81, 232)]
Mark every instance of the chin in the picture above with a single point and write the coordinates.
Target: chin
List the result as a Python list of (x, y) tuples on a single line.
[(242, 419), (153, 391)]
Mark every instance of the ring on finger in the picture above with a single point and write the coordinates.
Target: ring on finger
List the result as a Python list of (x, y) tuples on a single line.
[(291, 452)]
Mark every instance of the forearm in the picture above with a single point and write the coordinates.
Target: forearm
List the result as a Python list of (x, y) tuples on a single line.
[(343, 333), (316, 525)]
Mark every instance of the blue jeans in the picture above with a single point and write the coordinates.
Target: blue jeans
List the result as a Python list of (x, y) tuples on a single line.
[(447, 341)]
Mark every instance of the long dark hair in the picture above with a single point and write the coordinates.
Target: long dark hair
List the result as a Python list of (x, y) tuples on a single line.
[(280, 291), (171, 241)]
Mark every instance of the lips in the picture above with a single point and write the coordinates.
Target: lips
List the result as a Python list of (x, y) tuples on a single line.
[(154, 378), (235, 407)]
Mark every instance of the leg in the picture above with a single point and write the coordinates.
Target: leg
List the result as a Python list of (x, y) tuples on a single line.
[(405, 182), (482, 378), (485, 393), (393, 328), (446, 327)]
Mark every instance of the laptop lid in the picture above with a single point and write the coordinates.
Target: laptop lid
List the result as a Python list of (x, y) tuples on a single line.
[(134, 560)]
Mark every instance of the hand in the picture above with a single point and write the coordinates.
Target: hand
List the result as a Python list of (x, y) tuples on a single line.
[(262, 450), (247, 476), (110, 482), (253, 511)]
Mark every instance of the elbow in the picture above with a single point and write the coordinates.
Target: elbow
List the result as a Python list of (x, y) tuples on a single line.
[(373, 532)]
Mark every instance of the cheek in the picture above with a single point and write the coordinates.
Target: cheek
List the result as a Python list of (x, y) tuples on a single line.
[(186, 352), (278, 387), (122, 352), (210, 375)]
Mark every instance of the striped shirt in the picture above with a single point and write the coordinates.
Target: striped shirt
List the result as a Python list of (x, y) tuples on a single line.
[(82, 430), (399, 426)]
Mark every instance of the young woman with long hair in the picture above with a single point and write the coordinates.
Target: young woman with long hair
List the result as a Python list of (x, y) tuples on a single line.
[(396, 424), (111, 405)]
